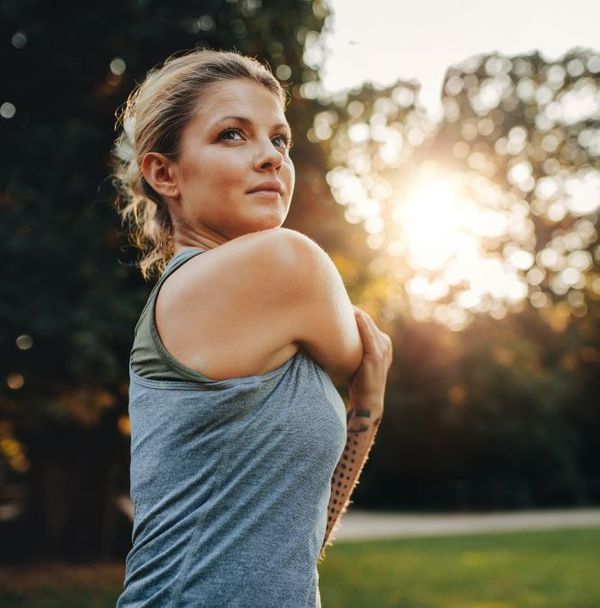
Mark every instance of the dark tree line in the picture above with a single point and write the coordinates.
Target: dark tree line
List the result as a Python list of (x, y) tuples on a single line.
[(70, 294), (501, 414)]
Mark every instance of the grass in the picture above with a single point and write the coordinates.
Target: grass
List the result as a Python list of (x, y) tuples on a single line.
[(553, 569), (550, 569), (58, 585)]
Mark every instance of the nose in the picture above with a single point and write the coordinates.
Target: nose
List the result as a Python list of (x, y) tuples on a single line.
[(269, 158)]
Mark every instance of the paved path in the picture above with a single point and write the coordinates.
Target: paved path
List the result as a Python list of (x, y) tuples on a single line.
[(364, 525)]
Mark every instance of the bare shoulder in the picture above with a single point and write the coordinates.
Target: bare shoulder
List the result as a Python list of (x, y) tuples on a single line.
[(256, 263), (317, 304), (224, 312), (280, 246), (301, 291), (279, 262), (295, 257)]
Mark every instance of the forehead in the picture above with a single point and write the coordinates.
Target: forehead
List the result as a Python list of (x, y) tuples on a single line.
[(240, 97)]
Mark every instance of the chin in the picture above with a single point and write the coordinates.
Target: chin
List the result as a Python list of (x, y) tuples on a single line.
[(269, 222)]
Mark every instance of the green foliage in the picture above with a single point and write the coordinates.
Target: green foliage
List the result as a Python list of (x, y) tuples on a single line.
[(499, 415), (517, 145), (492, 400), (69, 277), (503, 413), (71, 293)]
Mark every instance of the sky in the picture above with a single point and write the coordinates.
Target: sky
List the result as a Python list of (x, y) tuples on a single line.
[(383, 40)]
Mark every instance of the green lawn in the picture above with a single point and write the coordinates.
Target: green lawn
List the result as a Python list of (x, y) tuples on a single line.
[(550, 569), (553, 569)]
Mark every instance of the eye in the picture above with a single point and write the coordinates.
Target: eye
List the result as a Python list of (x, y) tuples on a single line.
[(283, 140), (230, 134)]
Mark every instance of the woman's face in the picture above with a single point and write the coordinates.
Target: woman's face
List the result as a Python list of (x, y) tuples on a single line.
[(234, 174)]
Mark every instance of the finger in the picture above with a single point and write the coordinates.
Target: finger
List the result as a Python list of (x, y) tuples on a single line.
[(371, 324), (362, 326), (366, 335), (380, 339)]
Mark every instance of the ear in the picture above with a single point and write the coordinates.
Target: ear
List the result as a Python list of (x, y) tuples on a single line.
[(158, 171)]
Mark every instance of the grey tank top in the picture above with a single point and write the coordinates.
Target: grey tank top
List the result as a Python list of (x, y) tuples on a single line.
[(230, 479)]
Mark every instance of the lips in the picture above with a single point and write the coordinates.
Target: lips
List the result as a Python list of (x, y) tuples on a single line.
[(268, 187)]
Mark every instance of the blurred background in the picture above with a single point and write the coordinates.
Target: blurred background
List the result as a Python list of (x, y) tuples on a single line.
[(447, 161)]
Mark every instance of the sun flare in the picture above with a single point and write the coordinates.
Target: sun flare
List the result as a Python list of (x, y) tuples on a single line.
[(434, 218), (453, 240)]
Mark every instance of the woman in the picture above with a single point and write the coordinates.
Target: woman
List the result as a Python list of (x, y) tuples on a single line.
[(242, 457)]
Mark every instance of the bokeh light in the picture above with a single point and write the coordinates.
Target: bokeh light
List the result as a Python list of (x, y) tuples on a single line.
[(493, 208)]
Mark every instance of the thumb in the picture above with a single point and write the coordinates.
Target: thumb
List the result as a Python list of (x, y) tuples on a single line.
[(363, 330)]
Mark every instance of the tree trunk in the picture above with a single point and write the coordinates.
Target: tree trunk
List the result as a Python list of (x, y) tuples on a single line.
[(76, 474)]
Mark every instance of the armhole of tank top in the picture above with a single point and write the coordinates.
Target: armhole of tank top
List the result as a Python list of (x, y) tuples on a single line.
[(187, 373)]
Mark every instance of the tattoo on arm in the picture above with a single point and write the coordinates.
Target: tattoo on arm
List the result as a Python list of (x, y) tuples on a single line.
[(345, 477), (358, 414)]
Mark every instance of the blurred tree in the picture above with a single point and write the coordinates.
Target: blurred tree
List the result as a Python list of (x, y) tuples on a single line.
[(496, 204), (502, 414), (71, 294), (485, 228), (492, 397)]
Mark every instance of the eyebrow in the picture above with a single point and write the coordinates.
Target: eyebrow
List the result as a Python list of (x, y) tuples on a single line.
[(247, 121)]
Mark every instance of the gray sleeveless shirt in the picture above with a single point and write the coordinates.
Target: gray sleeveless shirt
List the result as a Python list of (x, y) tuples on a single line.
[(230, 479)]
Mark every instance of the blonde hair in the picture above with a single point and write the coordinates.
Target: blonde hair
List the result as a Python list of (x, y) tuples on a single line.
[(152, 120)]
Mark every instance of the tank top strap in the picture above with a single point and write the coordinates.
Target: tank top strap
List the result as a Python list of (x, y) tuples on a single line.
[(177, 260), (172, 265), (149, 357)]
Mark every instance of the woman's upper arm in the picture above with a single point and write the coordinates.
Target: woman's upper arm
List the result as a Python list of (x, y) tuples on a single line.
[(321, 315)]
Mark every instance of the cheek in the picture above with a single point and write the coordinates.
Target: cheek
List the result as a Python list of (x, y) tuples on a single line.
[(292, 171), (221, 171), (192, 171), (201, 184)]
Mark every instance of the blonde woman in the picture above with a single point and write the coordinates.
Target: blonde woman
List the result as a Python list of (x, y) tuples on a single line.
[(243, 457)]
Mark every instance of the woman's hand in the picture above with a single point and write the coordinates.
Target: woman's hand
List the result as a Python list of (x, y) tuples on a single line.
[(367, 386)]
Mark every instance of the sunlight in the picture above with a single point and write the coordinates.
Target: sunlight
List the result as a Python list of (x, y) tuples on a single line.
[(446, 232), (433, 218), (461, 244)]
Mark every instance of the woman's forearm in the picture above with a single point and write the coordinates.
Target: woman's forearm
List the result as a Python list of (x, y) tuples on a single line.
[(360, 437)]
